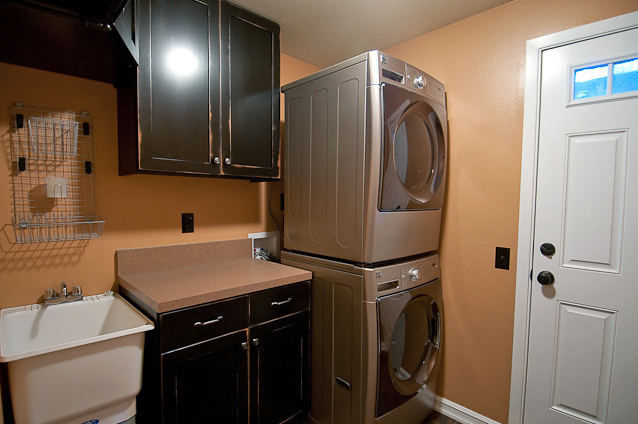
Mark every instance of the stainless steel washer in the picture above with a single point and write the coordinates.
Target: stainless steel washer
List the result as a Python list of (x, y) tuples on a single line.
[(409, 342), (375, 339)]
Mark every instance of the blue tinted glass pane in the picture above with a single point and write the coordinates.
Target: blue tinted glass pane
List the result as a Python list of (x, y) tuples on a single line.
[(625, 76), (590, 82)]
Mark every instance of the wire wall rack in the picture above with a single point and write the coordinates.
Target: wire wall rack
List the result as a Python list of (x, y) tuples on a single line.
[(54, 175)]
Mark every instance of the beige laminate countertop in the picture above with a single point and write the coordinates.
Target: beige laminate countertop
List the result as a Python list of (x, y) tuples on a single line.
[(174, 277)]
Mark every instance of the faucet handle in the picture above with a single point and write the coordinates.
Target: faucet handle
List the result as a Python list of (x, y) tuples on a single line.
[(77, 291), (49, 294)]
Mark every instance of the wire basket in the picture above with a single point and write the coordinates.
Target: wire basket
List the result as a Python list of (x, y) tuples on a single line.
[(53, 136), (54, 176), (51, 229)]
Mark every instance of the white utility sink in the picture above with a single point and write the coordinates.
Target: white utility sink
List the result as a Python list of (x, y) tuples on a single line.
[(75, 362)]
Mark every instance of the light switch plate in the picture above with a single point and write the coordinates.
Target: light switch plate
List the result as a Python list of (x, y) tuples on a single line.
[(188, 223), (502, 258)]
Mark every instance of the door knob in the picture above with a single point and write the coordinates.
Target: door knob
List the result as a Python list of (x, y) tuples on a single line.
[(548, 249), (546, 278)]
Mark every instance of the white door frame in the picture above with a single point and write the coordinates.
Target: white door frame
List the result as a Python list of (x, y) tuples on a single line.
[(527, 204)]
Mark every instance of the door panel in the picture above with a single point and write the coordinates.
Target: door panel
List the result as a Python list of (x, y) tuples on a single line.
[(206, 382), (581, 383), (178, 85), (278, 370), (250, 93), (583, 333), (596, 175)]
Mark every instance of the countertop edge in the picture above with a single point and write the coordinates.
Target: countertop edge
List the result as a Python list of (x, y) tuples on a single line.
[(156, 288)]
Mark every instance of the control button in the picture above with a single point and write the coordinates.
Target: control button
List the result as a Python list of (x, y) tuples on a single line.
[(413, 274), (419, 81)]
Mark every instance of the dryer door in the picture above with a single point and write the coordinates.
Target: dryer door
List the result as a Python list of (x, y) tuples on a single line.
[(414, 151), (409, 341)]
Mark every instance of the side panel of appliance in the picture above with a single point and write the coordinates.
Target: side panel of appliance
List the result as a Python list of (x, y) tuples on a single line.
[(324, 164), (336, 335)]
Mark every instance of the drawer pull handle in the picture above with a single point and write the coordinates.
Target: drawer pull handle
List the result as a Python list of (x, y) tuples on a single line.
[(283, 302), (342, 383), (212, 321)]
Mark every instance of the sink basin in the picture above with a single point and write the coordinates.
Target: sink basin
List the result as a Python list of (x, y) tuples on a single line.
[(74, 363)]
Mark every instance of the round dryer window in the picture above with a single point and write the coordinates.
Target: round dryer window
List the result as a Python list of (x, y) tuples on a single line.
[(414, 151)]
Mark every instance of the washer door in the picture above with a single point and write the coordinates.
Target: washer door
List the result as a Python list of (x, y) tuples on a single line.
[(409, 341), (414, 151)]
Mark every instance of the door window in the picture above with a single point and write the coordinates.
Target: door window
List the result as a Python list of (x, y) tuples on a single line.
[(416, 144), (415, 340), (614, 77), (414, 152)]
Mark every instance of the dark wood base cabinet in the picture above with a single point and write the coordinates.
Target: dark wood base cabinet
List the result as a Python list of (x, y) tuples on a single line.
[(206, 383), (237, 361)]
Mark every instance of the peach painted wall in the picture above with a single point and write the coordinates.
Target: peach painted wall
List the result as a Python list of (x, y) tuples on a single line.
[(139, 210), (481, 61)]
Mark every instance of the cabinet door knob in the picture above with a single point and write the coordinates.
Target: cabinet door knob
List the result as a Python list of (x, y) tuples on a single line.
[(227, 161), (244, 345), (216, 160), (255, 341)]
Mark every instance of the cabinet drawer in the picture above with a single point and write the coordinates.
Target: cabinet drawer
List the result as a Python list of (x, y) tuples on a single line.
[(192, 325), (278, 302)]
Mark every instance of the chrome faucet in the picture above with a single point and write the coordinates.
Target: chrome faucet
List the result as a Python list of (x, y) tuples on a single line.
[(53, 298)]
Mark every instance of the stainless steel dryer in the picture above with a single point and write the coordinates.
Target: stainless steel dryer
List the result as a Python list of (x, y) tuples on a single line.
[(374, 341), (365, 161)]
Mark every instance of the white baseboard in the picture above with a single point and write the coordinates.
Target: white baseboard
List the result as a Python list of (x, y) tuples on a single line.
[(460, 413)]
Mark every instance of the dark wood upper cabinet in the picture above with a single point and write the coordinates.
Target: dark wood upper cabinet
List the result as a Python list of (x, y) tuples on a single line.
[(197, 80), (250, 91), (178, 87), (207, 92), (88, 39)]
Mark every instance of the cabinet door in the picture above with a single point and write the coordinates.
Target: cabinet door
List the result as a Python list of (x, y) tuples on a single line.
[(250, 93), (207, 382), (126, 29), (178, 85), (279, 370)]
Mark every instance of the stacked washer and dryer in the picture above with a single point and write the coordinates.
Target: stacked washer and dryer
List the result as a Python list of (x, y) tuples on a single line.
[(365, 166)]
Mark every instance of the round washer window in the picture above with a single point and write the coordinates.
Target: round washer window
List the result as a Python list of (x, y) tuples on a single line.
[(414, 344)]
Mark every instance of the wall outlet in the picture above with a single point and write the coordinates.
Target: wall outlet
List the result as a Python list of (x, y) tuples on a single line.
[(188, 223)]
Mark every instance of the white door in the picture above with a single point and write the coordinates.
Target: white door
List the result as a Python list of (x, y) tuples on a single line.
[(583, 335)]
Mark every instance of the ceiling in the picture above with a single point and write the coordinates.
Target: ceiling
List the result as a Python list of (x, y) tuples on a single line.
[(325, 32)]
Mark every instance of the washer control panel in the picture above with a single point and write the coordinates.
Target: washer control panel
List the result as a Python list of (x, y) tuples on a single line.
[(420, 272), (396, 277)]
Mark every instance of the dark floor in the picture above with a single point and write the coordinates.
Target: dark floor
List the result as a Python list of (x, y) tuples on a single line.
[(437, 418)]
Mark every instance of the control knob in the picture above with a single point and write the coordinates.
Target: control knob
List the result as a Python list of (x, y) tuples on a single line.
[(419, 81), (413, 274)]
